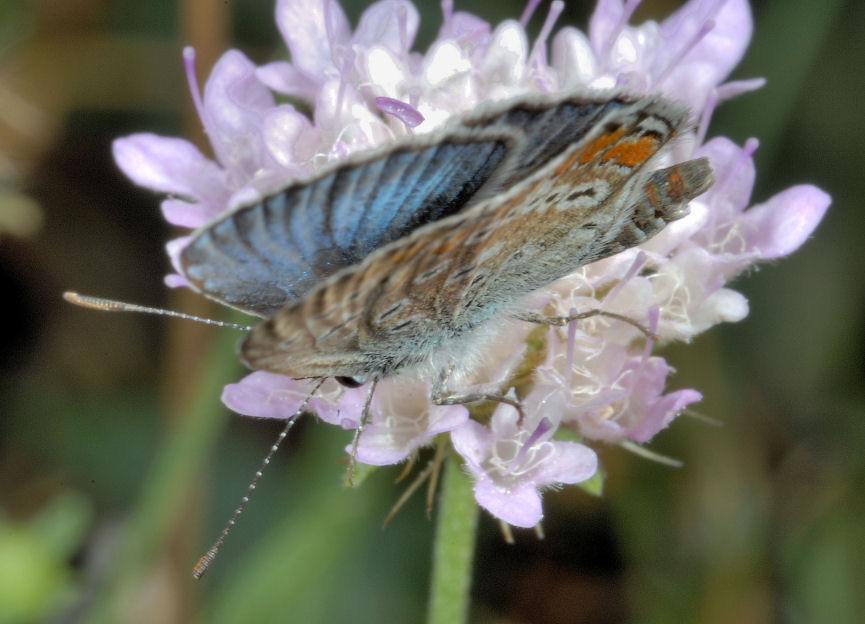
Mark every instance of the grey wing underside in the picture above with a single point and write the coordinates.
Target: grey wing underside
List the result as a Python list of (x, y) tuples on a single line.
[(264, 256)]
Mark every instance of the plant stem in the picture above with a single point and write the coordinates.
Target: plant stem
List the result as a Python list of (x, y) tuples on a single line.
[(453, 549)]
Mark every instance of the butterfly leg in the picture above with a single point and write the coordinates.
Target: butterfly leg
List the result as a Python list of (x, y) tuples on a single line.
[(364, 419), (440, 396), (560, 321)]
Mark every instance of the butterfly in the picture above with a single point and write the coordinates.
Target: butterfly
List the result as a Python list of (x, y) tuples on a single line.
[(384, 259)]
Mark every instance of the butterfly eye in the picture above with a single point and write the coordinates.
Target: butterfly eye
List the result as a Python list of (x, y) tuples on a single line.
[(350, 382)]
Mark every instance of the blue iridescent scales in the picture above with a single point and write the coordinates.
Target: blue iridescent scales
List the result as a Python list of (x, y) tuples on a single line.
[(384, 259)]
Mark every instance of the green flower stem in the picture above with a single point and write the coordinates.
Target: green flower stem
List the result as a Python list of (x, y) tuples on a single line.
[(454, 546)]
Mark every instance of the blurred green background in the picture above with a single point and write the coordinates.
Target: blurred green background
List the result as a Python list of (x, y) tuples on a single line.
[(119, 465)]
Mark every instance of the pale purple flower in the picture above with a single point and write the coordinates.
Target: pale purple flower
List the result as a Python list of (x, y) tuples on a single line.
[(510, 461), (402, 420), (605, 392), (365, 86), (268, 395)]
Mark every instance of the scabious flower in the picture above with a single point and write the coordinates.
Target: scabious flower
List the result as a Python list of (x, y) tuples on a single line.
[(596, 378)]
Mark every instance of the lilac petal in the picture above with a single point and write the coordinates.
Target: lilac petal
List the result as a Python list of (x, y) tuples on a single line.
[(235, 101), (388, 73), (403, 111), (730, 90), (389, 23), (283, 77), (722, 306), (343, 408), (314, 30), (719, 51), (573, 463), (247, 195), (187, 214), (606, 18), (285, 134), (505, 59), (465, 28), (472, 441), (446, 418), (518, 506), (167, 165), (233, 95), (447, 62), (691, 83), (404, 420), (174, 247), (662, 413), (175, 280), (382, 443), (375, 448), (341, 107), (735, 174), (267, 395), (573, 58), (782, 224)]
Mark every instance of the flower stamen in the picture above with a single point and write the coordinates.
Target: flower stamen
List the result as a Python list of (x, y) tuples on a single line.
[(538, 56), (746, 153), (704, 30), (543, 427), (627, 11), (195, 92), (706, 116), (403, 111), (528, 12)]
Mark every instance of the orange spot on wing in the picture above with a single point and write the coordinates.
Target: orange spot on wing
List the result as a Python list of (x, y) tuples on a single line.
[(675, 184), (569, 162), (652, 194), (593, 148), (631, 153)]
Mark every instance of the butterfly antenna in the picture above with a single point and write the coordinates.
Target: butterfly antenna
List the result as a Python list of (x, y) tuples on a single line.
[(207, 558), (109, 305), (364, 419)]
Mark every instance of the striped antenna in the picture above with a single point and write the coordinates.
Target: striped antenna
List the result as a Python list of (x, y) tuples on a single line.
[(208, 557), (109, 305)]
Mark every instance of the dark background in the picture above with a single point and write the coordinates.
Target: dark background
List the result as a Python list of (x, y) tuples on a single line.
[(118, 463)]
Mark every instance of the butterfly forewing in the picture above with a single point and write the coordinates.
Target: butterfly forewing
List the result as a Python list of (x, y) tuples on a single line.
[(558, 125), (263, 256)]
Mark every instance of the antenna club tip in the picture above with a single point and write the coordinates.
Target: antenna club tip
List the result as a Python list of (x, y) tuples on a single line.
[(72, 297), (204, 563)]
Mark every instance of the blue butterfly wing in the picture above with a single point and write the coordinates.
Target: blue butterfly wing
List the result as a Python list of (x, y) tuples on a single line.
[(266, 255)]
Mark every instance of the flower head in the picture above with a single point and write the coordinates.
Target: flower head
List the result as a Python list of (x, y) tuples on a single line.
[(366, 87)]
